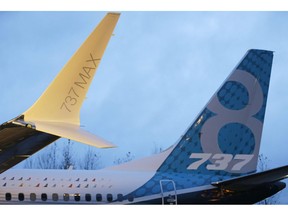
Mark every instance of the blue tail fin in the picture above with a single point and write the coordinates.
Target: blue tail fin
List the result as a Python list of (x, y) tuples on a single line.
[(225, 137)]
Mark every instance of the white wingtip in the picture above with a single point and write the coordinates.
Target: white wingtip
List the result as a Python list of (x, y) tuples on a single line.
[(74, 133)]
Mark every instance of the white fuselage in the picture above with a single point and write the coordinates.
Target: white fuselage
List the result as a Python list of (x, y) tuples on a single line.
[(80, 186), (66, 186)]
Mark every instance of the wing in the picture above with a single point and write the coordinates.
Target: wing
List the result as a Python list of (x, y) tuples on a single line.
[(18, 142), (57, 112)]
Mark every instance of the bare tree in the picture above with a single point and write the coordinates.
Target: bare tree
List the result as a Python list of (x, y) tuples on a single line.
[(44, 159), (262, 163), (29, 163), (126, 158), (47, 160), (157, 149), (262, 166), (91, 160), (67, 162), (63, 157)]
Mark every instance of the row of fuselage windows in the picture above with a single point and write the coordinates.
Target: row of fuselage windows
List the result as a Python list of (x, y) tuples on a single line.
[(70, 197)]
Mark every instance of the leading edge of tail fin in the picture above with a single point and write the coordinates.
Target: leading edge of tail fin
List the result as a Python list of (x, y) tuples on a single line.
[(61, 102), (225, 137)]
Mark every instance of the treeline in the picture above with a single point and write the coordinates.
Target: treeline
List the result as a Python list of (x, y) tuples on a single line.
[(62, 156), (65, 156)]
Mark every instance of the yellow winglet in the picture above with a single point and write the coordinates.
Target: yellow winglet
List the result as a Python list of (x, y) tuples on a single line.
[(57, 111), (62, 100)]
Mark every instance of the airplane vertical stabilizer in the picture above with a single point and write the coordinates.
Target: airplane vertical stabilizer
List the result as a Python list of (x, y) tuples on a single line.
[(223, 142), (225, 137)]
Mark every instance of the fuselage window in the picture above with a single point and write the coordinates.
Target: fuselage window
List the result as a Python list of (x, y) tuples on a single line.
[(120, 197), (8, 196), (32, 196), (21, 197), (109, 197), (66, 197), (77, 197), (43, 196), (88, 197), (99, 197), (55, 197), (130, 198)]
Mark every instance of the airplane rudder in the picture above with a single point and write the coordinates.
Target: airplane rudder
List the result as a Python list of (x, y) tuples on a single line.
[(259, 64), (239, 107)]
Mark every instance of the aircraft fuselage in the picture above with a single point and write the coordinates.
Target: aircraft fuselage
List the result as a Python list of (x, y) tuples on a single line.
[(112, 187)]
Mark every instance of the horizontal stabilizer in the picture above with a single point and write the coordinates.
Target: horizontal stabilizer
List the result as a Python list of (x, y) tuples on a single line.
[(255, 179), (72, 132)]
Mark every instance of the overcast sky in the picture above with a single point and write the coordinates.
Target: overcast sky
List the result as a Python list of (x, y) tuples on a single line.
[(158, 71)]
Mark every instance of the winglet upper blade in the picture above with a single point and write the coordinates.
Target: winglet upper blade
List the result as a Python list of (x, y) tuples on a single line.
[(62, 100), (57, 111)]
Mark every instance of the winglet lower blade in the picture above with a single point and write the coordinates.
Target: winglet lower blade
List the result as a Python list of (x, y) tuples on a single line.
[(73, 132)]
